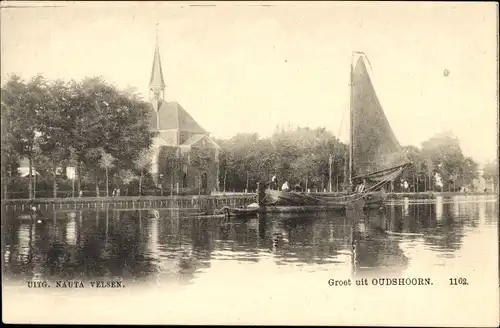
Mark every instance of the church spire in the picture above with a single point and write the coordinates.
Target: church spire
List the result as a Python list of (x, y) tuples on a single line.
[(156, 82)]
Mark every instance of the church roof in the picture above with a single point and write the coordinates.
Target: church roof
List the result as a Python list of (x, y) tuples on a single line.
[(172, 116), (160, 141), (156, 79), (198, 140), (195, 139)]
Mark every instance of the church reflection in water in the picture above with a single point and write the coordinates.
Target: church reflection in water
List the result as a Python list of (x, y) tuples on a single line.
[(134, 245)]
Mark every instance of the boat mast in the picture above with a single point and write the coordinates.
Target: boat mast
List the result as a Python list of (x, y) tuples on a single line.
[(350, 122)]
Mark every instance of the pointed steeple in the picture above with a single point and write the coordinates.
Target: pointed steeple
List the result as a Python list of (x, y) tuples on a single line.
[(156, 82)]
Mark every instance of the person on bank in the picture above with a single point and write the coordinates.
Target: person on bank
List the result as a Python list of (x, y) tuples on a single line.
[(285, 186), (274, 183)]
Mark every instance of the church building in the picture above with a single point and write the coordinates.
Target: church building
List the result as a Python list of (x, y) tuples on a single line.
[(185, 158)]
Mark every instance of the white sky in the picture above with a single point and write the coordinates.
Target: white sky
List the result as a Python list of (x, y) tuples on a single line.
[(240, 67)]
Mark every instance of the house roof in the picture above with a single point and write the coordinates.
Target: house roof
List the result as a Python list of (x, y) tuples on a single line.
[(172, 116)]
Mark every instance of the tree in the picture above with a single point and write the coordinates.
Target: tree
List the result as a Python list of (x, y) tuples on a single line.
[(412, 173), (142, 161), (239, 160), (303, 168), (126, 177), (287, 150), (67, 123), (447, 159), (22, 103), (54, 147), (106, 117), (10, 155), (302, 155), (106, 163), (266, 159), (468, 172), (226, 162), (93, 155), (490, 173)]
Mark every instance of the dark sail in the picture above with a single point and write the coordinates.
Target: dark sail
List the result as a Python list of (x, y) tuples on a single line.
[(376, 152)]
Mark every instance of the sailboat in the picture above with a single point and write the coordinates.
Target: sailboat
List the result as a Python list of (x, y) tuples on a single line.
[(375, 155)]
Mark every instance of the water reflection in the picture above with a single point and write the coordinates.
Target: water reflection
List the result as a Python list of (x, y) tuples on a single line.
[(134, 245), (439, 207)]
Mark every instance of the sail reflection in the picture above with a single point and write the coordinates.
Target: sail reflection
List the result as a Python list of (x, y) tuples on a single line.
[(321, 240), (374, 250)]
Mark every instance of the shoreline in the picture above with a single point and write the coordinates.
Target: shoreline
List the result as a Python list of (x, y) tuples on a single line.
[(218, 197), (433, 194), (133, 202)]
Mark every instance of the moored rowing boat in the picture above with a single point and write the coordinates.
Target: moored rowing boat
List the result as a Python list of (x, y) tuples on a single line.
[(243, 211)]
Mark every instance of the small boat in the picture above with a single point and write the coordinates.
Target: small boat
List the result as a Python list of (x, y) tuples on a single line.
[(207, 216), (242, 211), (375, 156)]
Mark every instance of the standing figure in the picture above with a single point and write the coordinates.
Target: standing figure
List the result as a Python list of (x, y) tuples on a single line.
[(274, 183)]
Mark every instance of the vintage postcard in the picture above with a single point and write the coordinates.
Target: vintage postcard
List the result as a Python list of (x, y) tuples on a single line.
[(250, 163)]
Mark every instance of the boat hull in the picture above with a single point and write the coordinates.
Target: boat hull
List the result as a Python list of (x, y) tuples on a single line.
[(295, 202), (241, 211)]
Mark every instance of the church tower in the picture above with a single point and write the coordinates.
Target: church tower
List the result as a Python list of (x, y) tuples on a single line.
[(157, 84), (179, 133), (157, 97)]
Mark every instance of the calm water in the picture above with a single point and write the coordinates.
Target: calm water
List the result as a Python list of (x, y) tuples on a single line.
[(450, 237)]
